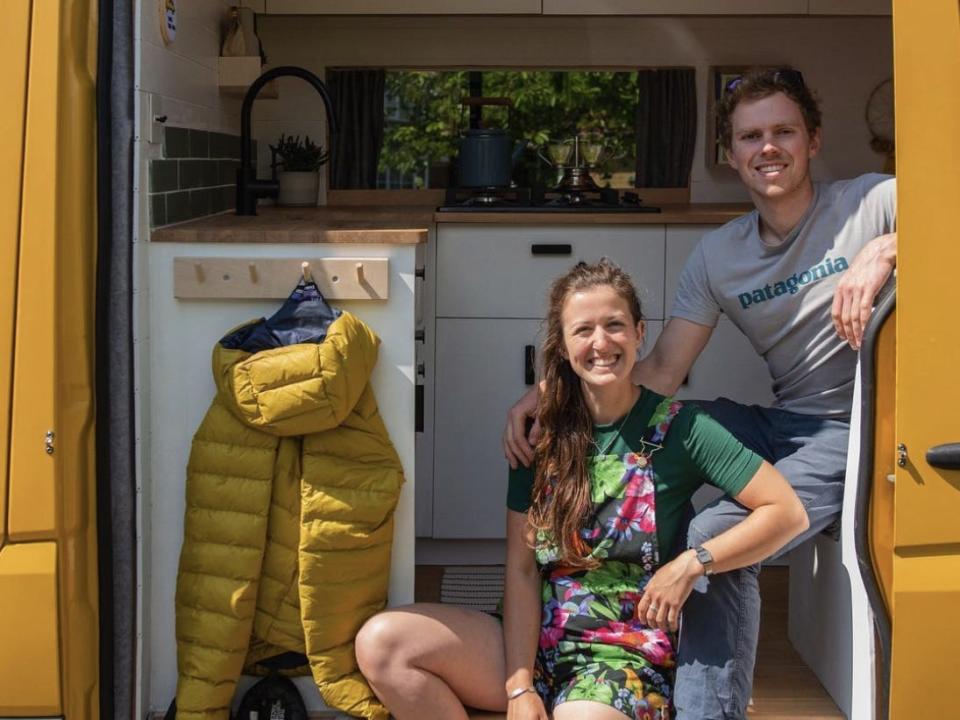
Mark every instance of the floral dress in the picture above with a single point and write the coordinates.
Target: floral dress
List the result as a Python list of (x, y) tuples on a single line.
[(592, 645)]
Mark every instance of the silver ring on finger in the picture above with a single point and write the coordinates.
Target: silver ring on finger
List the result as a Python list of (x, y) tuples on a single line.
[(653, 608)]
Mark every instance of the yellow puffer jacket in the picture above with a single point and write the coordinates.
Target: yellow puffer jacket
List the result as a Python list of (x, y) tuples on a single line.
[(291, 487)]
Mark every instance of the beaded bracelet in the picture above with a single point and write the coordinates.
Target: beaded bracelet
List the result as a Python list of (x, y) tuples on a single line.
[(514, 694)]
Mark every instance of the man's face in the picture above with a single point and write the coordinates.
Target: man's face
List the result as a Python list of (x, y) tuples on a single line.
[(770, 146)]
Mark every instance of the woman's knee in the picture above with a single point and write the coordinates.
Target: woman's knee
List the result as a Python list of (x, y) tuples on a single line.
[(379, 645)]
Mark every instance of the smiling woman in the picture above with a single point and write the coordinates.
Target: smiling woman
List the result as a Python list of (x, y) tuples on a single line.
[(595, 579)]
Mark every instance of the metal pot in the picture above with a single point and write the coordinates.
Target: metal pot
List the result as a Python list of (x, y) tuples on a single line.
[(486, 158)]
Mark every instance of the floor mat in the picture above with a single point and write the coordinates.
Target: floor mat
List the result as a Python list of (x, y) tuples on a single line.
[(479, 587)]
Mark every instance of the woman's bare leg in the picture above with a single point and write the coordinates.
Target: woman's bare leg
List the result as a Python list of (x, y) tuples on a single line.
[(586, 710), (427, 661)]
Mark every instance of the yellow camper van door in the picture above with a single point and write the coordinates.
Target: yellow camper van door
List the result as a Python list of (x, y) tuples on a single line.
[(29, 653), (48, 602), (926, 563)]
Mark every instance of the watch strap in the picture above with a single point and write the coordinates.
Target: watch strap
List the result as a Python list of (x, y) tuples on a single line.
[(705, 558)]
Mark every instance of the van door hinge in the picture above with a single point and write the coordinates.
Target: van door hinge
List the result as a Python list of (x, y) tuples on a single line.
[(48, 442), (902, 455)]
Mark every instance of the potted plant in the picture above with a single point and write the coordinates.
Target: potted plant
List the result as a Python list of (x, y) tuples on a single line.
[(299, 177)]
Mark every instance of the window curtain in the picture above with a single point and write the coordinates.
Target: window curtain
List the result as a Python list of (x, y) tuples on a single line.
[(666, 127), (357, 97)]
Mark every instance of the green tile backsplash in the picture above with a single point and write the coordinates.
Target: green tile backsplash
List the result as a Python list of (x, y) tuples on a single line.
[(195, 177)]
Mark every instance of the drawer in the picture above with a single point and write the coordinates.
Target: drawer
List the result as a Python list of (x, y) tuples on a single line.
[(505, 271)]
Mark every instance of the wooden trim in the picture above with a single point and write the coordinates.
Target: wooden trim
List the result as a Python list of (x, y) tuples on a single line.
[(407, 7), (269, 278)]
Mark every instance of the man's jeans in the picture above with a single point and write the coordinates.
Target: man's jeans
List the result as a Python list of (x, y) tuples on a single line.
[(721, 618)]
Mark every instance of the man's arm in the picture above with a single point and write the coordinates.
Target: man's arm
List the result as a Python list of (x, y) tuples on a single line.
[(662, 371), (677, 348), (857, 289)]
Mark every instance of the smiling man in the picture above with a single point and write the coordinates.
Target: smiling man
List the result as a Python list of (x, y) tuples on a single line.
[(798, 276)]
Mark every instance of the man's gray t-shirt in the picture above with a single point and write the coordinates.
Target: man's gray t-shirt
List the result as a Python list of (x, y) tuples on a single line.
[(781, 297)]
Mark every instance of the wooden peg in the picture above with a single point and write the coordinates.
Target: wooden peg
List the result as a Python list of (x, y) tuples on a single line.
[(305, 271), (360, 273), (253, 273), (198, 269)]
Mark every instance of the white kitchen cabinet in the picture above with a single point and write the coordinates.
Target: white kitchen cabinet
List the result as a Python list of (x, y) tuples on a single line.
[(505, 270), (480, 373), (490, 296)]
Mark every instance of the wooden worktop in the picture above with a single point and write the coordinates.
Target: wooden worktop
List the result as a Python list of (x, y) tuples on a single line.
[(705, 214), (386, 225), (407, 224)]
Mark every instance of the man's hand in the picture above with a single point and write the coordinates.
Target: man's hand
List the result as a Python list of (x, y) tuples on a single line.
[(517, 447), (668, 590), (853, 299)]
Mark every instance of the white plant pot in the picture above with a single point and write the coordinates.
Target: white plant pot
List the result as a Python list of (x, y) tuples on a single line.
[(299, 189)]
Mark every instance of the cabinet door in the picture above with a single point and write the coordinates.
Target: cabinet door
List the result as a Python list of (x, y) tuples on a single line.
[(506, 270), (480, 371)]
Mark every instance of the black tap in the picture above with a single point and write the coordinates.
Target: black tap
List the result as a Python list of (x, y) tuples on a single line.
[(249, 188)]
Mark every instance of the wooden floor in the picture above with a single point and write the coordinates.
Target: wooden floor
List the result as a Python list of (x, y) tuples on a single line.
[(783, 686)]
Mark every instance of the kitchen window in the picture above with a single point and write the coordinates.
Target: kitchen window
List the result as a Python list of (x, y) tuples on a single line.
[(423, 119)]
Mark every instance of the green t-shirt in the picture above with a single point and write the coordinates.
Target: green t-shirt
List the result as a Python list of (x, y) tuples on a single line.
[(696, 450)]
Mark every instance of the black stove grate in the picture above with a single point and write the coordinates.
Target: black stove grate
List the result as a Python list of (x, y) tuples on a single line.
[(527, 200)]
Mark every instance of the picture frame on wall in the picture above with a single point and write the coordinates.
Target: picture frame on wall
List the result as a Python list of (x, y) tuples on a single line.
[(720, 76)]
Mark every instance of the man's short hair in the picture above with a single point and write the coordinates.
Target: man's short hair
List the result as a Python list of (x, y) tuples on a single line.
[(759, 83)]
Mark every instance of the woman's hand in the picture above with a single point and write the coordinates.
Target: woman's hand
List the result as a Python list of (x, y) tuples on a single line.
[(528, 706), (668, 590)]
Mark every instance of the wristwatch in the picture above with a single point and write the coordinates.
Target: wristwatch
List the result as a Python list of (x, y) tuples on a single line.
[(705, 558)]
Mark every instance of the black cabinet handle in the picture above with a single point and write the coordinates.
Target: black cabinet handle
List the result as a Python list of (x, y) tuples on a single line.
[(945, 457), (549, 249), (418, 408), (529, 364)]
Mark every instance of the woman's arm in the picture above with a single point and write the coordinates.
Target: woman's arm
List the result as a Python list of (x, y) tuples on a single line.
[(521, 618), (776, 517)]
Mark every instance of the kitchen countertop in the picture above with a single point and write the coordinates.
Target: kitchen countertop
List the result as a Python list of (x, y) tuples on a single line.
[(707, 214), (407, 224), (386, 225)]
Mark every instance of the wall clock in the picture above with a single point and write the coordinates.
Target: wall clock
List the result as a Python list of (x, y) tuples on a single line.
[(168, 20)]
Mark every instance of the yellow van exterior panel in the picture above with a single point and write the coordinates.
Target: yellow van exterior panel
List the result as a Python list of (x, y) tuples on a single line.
[(14, 34), (32, 501), (881, 518), (926, 566), (51, 496), (29, 652)]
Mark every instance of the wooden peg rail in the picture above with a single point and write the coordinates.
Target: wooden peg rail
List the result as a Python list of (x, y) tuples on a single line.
[(274, 278)]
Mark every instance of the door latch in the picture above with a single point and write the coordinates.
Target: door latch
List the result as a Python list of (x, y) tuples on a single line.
[(48, 442), (901, 455)]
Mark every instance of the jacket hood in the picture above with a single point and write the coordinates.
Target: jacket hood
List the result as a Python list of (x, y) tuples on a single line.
[(301, 388)]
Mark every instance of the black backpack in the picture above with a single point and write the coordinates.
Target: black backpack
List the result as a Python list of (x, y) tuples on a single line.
[(275, 697)]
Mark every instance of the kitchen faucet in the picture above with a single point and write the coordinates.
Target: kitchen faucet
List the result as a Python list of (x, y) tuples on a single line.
[(249, 187)]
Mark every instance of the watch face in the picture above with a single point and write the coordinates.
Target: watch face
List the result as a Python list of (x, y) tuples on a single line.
[(704, 556)]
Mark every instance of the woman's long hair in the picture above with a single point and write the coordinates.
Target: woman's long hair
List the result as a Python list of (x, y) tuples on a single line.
[(561, 488)]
